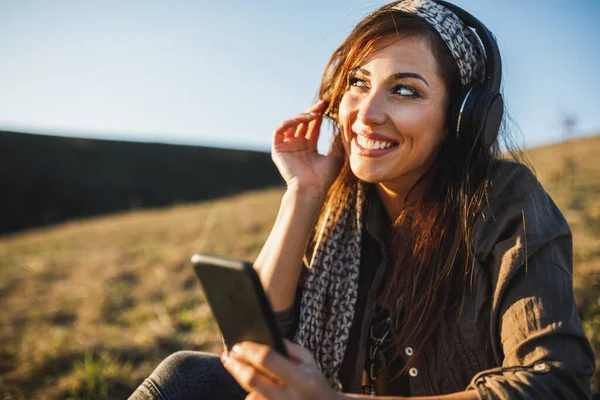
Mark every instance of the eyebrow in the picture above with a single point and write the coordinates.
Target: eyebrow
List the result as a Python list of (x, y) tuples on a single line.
[(396, 76)]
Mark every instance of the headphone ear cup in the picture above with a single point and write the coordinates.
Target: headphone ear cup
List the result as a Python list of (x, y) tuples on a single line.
[(465, 118), (478, 114), (486, 116), (493, 119)]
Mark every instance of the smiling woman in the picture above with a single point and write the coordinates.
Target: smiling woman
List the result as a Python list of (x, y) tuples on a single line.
[(412, 260)]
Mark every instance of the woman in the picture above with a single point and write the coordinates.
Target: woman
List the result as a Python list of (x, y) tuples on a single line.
[(410, 260)]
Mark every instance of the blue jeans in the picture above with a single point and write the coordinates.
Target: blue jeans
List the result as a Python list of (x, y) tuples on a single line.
[(187, 375)]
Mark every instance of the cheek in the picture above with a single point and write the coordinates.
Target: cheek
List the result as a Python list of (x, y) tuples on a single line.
[(345, 105), (430, 142), (420, 124), (347, 115)]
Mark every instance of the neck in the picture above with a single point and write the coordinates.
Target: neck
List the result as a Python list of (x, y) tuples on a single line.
[(394, 196), (392, 200)]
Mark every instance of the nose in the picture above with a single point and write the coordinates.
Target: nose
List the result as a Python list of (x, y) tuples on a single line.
[(371, 109)]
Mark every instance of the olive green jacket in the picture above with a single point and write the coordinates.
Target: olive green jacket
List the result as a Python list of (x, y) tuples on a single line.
[(518, 334)]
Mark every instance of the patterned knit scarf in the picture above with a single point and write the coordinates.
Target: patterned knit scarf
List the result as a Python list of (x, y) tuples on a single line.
[(331, 288)]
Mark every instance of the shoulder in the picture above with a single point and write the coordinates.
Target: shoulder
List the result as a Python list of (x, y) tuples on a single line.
[(510, 182), (518, 212)]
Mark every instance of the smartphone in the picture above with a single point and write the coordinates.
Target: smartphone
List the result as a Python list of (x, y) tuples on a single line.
[(238, 301)]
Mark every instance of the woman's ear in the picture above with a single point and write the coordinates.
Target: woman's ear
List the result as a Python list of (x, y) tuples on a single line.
[(446, 133)]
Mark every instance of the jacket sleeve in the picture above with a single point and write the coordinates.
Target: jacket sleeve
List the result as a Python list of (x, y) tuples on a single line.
[(536, 331), (287, 320)]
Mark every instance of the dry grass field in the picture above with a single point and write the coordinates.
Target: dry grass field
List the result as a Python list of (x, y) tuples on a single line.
[(89, 308)]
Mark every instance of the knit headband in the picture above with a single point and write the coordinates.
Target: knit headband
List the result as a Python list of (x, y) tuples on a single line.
[(460, 40)]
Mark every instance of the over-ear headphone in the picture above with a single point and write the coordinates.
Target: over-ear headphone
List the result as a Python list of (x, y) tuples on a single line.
[(480, 108)]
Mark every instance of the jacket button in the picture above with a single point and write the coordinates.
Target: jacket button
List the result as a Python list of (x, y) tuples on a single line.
[(541, 367), (413, 372), (408, 351)]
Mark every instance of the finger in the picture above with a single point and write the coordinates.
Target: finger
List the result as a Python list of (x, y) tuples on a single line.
[(312, 136), (301, 129), (255, 396), (284, 136), (250, 379), (299, 353), (261, 357), (276, 140), (319, 106), (290, 132), (291, 145), (314, 129), (291, 372), (279, 135), (293, 122)]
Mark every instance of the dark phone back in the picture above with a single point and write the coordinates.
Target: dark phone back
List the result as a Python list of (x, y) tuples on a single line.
[(238, 301)]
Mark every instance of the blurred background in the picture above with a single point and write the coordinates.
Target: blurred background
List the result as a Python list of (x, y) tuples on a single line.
[(135, 133)]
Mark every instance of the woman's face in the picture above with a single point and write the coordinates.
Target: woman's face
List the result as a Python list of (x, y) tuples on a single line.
[(393, 116)]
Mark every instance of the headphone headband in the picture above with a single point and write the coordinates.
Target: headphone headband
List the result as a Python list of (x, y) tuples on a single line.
[(493, 63), (481, 106)]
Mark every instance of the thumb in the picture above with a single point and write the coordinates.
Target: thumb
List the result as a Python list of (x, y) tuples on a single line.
[(298, 353)]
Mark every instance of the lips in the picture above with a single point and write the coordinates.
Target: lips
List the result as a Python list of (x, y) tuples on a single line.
[(373, 145)]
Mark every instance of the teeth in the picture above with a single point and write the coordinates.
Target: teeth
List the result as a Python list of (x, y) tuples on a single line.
[(372, 144)]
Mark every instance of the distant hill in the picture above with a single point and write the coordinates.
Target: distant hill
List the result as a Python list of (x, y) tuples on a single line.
[(48, 179)]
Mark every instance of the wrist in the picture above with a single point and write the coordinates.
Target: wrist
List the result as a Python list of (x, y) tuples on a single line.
[(310, 196), (305, 203)]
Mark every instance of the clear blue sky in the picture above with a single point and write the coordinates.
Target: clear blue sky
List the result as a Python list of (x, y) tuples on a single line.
[(226, 73)]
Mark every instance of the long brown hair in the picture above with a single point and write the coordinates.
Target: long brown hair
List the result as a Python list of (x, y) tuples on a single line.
[(431, 253)]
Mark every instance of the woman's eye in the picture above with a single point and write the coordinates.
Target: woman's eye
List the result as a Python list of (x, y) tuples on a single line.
[(406, 91), (358, 83)]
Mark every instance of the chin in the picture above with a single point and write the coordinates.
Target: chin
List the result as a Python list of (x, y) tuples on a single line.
[(367, 173)]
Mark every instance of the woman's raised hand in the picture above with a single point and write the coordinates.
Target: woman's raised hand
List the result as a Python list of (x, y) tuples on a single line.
[(294, 151)]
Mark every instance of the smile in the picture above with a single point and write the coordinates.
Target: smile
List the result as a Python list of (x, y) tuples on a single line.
[(370, 147), (373, 144)]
